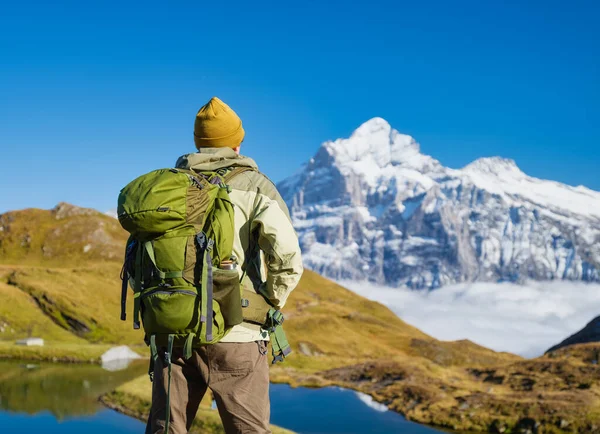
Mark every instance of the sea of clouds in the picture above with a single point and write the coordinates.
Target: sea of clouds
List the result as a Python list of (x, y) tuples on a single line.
[(522, 319)]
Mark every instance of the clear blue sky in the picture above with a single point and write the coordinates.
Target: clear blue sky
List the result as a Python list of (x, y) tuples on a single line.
[(93, 94)]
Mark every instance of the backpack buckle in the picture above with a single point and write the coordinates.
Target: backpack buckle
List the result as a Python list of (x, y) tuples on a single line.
[(277, 318), (201, 240)]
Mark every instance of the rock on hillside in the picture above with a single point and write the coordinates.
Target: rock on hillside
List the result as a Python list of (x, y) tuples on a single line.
[(374, 207), (65, 210)]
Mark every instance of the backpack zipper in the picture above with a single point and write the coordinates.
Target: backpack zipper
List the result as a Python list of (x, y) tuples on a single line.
[(162, 291)]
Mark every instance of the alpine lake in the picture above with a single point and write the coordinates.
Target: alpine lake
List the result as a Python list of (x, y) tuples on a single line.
[(64, 398)]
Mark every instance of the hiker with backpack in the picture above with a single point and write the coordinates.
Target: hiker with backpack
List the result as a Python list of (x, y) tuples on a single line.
[(212, 259)]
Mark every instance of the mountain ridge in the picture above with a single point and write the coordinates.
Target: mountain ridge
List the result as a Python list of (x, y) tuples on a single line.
[(365, 206), (589, 334)]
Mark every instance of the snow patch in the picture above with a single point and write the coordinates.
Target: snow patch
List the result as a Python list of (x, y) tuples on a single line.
[(31, 342), (498, 166), (118, 358), (504, 178), (370, 402)]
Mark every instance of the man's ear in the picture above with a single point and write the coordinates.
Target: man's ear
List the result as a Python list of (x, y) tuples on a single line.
[(237, 150)]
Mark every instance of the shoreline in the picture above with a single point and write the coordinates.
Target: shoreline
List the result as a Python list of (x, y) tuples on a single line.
[(58, 352)]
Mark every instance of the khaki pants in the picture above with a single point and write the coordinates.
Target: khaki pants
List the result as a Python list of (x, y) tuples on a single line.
[(237, 374)]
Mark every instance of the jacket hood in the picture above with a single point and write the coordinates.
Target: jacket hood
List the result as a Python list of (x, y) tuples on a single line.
[(209, 159)]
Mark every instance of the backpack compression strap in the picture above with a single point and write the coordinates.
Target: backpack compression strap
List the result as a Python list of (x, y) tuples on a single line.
[(169, 360), (207, 292), (137, 286), (127, 265), (205, 247)]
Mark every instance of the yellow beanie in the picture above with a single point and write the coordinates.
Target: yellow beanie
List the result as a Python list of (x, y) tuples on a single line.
[(217, 126)]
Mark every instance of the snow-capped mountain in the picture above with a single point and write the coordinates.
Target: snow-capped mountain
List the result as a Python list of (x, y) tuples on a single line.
[(373, 207)]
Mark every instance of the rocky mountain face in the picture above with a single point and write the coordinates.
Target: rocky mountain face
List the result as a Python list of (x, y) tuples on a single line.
[(373, 207)]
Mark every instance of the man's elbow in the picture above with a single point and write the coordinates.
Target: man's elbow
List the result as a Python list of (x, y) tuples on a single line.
[(284, 283)]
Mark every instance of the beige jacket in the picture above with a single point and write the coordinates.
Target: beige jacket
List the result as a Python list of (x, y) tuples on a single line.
[(264, 232)]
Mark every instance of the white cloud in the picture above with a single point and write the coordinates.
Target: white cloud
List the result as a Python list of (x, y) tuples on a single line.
[(522, 319)]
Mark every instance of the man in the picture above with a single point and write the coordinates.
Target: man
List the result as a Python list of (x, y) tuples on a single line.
[(235, 369)]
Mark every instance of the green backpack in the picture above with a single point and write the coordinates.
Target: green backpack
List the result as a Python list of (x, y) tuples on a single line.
[(182, 230), (180, 264)]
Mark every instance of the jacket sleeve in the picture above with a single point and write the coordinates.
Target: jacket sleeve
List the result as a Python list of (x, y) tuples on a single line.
[(279, 243)]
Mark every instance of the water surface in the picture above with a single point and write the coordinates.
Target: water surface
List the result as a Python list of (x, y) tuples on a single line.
[(102, 422), (63, 399), (333, 410)]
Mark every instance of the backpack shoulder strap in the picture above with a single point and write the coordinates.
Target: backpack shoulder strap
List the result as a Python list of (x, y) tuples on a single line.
[(235, 171)]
